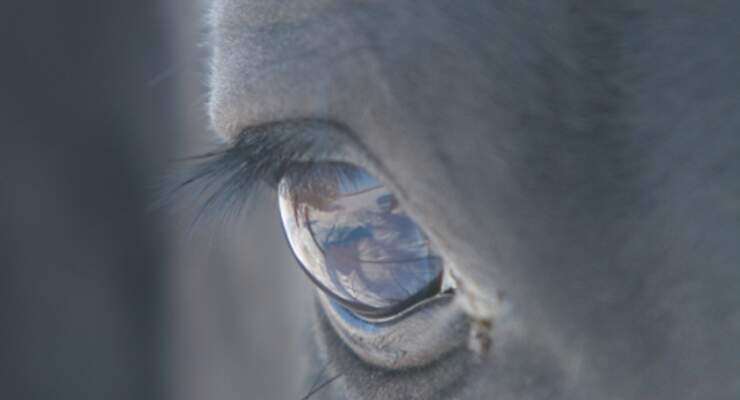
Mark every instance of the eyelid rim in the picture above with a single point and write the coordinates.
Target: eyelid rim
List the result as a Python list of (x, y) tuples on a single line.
[(417, 337)]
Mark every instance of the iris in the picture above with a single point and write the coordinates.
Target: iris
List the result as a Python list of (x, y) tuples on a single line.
[(354, 241)]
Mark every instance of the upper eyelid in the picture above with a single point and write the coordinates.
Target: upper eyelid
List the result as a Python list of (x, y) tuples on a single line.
[(230, 176), (295, 140)]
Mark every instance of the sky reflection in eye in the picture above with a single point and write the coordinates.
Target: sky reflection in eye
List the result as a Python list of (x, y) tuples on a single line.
[(352, 238)]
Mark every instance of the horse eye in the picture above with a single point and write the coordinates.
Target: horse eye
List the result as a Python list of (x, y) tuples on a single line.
[(354, 241)]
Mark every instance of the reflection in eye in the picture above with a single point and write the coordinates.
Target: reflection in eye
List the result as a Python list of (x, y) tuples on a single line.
[(351, 237)]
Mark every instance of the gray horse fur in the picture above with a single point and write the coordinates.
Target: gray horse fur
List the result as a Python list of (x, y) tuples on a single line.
[(581, 158)]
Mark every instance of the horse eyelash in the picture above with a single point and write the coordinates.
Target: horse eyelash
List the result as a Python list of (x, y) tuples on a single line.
[(226, 179)]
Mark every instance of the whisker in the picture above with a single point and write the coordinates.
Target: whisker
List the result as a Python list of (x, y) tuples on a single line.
[(318, 376), (321, 386)]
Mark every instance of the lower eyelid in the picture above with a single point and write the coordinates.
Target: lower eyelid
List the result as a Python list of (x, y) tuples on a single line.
[(424, 333)]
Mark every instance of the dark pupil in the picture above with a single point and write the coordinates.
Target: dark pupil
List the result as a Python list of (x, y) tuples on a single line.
[(371, 255)]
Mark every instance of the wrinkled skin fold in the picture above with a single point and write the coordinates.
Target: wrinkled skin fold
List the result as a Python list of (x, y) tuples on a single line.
[(580, 157)]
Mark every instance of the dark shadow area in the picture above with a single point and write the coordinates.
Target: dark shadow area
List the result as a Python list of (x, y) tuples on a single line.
[(85, 127)]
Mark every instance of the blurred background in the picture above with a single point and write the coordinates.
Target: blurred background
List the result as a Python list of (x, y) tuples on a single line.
[(103, 295)]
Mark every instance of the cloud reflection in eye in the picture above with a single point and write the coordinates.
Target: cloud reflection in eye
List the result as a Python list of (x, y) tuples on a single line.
[(354, 241)]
